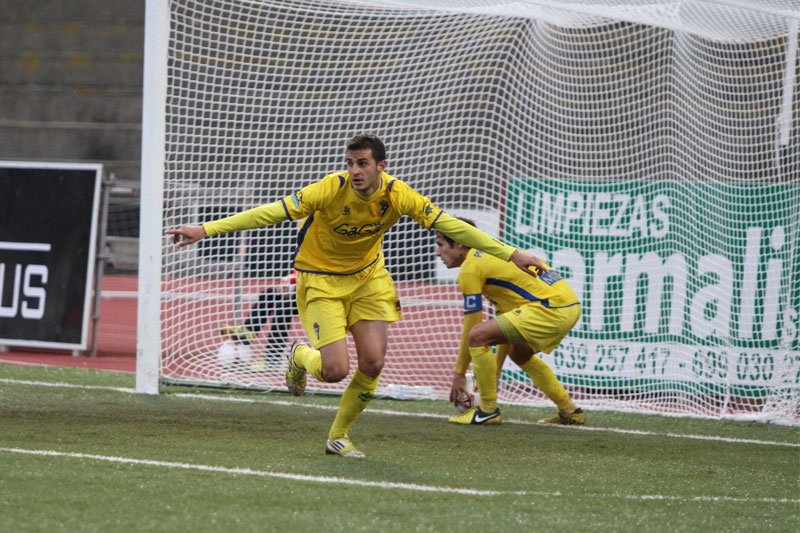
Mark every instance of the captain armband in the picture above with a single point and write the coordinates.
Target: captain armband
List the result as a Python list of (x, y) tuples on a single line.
[(472, 303)]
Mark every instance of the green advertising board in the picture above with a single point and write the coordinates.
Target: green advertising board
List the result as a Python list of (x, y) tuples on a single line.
[(690, 282)]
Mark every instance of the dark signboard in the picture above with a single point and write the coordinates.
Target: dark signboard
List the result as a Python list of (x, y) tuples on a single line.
[(48, 226)]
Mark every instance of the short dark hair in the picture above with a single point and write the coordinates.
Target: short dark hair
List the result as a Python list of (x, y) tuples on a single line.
[(367, 140), (451, 241)]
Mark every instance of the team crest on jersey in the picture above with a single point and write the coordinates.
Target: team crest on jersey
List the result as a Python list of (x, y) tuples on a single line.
[(316, 329), (397, 305), (428, 209), (346, 210), (297, 199), (384, 206)]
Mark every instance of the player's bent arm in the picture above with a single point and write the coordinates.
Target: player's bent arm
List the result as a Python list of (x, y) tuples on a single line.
[(258, 217), (462, 363), (464, 358)]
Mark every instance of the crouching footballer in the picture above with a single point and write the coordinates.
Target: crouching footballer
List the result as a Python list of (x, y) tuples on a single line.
[(533, 315)]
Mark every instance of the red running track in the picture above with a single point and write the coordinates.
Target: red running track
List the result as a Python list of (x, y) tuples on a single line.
[(116, 334)]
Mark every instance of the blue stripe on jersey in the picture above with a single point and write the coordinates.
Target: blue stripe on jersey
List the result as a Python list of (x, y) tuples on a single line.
[(472, 303), (391, 184), (301, 235), (283, 202), (561, 306), (525, 294), (342, 181), (437, 218), (517, 289), (512, 287), (338, 273)]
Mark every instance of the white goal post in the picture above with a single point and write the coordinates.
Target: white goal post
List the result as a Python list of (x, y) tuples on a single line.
[(649, 150)]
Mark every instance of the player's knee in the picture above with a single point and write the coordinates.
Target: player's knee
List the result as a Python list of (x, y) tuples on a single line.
[(371, 367), (335, 372), (477, 337)]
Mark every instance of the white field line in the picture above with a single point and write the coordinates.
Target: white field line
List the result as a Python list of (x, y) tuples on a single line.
[(22, 363), (216, 398), (385, 484), (65, 385), (28, 363)]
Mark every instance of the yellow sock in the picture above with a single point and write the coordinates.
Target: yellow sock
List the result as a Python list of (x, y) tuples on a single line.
[(309, 359), (355, 398), (484, 365), (544, 378)]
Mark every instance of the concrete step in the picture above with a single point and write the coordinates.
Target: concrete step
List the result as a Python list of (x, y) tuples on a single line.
[(70, 104), (124, 170), (122, 252), (66, 68), (127, 170), (75, 36), (126, 11), (70, 141)]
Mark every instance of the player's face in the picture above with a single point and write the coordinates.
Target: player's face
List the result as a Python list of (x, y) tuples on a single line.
[(365, 172), (450, 254)]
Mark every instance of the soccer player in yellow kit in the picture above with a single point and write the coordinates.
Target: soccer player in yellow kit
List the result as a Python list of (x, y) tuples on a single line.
[(342, 284), (533, 315)]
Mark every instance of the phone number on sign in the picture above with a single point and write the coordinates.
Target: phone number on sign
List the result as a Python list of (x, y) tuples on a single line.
[(675, 361)]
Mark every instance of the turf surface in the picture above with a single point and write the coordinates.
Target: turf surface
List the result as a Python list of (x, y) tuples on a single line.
[(207, 460)]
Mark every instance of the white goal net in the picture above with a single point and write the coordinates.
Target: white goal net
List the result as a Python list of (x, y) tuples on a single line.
[(647, 150)]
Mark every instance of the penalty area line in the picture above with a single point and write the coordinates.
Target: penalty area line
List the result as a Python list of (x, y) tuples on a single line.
[(382, 484)]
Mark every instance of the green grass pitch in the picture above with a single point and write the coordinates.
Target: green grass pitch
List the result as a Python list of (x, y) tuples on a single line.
[(80, 452)]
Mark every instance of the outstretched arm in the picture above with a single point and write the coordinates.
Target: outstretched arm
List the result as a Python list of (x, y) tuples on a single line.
[(258, 217), (470, 236)]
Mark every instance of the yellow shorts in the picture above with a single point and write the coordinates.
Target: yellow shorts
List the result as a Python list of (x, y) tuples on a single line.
[(541, 328), (329, 305)]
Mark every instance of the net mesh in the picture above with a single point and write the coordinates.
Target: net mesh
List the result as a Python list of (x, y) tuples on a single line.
[(648, 151)]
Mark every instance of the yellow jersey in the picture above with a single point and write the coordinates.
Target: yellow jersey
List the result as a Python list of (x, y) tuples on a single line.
[(343, 231), (508, 287)]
